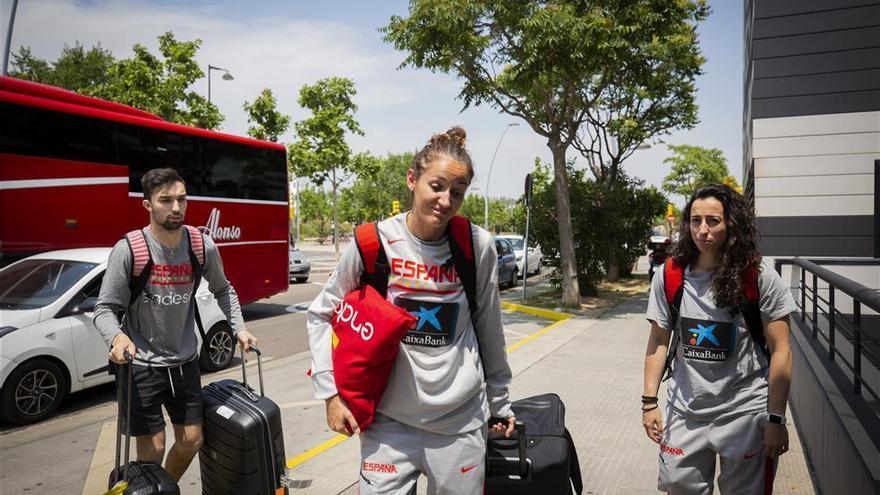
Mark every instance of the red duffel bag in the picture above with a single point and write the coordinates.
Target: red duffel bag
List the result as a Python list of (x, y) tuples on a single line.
[(367, 330)]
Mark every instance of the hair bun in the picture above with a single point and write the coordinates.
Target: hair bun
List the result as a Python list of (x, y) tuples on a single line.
[(455, 136)]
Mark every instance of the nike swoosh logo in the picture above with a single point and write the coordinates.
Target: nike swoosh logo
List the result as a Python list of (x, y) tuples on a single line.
[(392, 241), (753, 454), (465, 470)]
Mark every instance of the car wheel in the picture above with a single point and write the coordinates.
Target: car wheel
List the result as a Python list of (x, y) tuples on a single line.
[(218, 348), (302, 280), (514, 277), (33, 392)]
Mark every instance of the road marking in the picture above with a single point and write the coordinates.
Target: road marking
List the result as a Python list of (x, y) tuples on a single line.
[(560, 317), (301, 403), (300, 307), (312, 452), (102, 460)]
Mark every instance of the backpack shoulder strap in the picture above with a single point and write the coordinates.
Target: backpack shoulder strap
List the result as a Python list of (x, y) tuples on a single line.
[(141, 264), (673, 288), (376, 268), (197, 261), (460, 236), (751, 308)]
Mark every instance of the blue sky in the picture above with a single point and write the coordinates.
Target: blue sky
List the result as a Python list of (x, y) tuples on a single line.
[(285, 44)]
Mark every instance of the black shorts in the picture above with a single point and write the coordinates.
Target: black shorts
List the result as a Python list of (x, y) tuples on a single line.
[(179, 388)]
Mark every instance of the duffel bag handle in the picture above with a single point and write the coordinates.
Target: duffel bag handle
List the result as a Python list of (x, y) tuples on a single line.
[(259, 354), (521, 442)]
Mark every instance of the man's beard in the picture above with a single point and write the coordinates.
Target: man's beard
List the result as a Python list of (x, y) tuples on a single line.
[(172, 225)]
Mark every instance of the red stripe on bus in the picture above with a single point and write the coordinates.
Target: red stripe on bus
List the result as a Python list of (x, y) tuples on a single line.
[(18, 167)]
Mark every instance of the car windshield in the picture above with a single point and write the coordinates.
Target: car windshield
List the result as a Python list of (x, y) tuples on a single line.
[(516, 242), (36, 283)]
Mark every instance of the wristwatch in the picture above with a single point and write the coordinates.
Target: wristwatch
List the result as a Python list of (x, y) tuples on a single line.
[(776, 419)]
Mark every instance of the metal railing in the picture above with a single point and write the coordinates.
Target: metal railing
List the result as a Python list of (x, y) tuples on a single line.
[(849, 327)]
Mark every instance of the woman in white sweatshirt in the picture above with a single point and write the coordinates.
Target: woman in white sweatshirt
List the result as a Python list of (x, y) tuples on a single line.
[(449, 377)]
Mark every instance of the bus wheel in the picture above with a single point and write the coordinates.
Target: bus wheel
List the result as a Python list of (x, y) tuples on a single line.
[(218, 348), (33, 392)]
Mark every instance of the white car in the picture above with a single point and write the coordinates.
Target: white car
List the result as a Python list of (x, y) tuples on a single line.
[(49, 346), (536, 257)]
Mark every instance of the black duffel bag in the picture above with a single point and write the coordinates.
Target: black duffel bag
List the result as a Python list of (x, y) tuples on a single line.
[(539, 458)]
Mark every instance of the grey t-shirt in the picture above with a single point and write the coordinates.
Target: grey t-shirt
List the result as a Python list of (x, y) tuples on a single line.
[(719, 372), (161, 322)]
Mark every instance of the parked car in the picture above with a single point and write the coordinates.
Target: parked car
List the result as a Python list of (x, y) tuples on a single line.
[(507, 270), (299, 265), (536, 257), (49, 346)]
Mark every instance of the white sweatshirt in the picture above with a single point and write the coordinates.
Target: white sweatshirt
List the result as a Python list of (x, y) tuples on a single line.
[(437, 383)]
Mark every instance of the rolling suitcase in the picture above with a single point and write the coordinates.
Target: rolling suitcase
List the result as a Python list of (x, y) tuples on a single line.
[(243, 449), (540, 458), (137, 477)]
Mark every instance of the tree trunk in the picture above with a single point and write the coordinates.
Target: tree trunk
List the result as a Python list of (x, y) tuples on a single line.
[(570, 290), (613, 274), (335, 215)]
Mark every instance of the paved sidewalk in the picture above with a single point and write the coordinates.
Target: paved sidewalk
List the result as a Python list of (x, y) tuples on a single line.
[(596, 367)]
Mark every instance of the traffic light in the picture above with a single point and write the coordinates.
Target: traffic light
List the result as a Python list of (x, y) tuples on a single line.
[(395, 207)]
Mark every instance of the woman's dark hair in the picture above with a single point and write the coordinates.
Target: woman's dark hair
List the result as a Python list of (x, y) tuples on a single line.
[(739, 251), (449, 144), (158, 178)]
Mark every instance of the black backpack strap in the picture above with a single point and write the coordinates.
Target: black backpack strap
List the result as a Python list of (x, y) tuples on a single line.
[(141, 264), (574, 465), (197, 261), (751, 309), (373, 256), (461, 244)]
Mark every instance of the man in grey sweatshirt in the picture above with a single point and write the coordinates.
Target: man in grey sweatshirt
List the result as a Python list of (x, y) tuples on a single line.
[(158, 328)]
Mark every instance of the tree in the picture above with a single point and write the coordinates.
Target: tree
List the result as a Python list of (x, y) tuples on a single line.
[(320, 151), (553, 64), (161, 86), (502, 212), (694, 167), (369, 197), (267, 122), (76, 68), (316, 209)]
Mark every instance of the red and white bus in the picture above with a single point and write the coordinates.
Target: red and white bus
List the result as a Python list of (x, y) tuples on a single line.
[(70, 171)]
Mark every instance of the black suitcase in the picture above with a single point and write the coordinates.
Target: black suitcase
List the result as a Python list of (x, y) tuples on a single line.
[(539, 458), (243, 449), (135, 477)]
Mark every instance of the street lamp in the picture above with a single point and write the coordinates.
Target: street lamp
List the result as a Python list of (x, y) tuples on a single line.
[(489, 176), (8, 43), (226, 77)]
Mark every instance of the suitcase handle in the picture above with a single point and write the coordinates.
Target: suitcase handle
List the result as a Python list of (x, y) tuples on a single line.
[(259, 354), (129, 359)]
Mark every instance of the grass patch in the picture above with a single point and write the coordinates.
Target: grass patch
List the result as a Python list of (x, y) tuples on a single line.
[(545, 296)]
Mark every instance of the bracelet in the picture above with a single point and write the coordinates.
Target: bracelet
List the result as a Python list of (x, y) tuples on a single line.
[(646, 409), (647, 399)]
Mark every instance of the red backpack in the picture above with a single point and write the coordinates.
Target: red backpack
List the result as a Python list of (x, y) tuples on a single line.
[(673, 279), (367, 329)]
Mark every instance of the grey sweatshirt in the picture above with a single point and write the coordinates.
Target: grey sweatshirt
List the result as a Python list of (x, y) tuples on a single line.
[(161, 323), (437, 383)]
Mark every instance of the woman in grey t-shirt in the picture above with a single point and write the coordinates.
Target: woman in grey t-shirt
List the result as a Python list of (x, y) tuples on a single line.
[(726, 393)]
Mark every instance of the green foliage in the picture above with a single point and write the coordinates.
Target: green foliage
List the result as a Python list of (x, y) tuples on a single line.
[(369, 197), (616, 220), (161, 85), (503, 213), (316, 210), (694, 167), (267, 122), (76, 68)]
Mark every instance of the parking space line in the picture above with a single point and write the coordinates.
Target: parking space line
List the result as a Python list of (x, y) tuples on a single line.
[(102, 460), (312, 452)]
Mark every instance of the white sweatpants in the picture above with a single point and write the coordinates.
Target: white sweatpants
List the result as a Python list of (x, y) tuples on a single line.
[(394, 454), (687, 456)]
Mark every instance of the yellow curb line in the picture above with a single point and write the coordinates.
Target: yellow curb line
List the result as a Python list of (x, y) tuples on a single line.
[(558, 318), (312, 452), (543, 313)]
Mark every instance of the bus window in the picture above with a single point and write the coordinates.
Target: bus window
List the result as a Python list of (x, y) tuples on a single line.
[(143, 149), (37, 132), (235, 171)]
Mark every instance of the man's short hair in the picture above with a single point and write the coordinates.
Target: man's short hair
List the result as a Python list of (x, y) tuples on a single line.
[(157, 178)]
